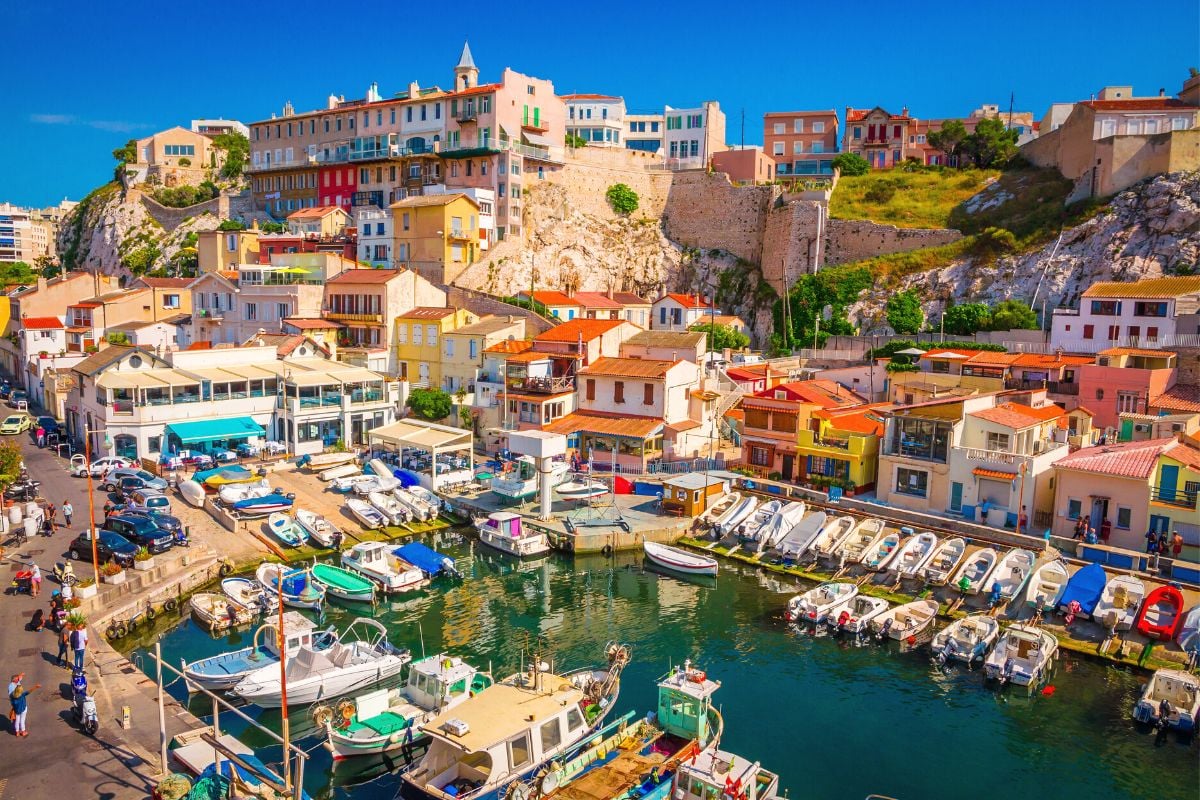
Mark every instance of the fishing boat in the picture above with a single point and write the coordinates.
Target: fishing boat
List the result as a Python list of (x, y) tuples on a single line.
[(967, 639), (748, 530), (780, 525), (831, 536), (911, 557), (860, 541), (223, 671), (1010, 574), (389, 719), (718, 509), (417, 508), (1047, 585), (348, 665), (906, 621), (1084, 588), (1161, 614), (341, 471), (392, 509), (1171, 699), (249, 593), (1024, 656), (673, 558), (800, 537), (377, 561), (732, 517), (368, 515), (1119, 603), (856, 616), (817, 604), (217, 612), (581, 489), (428, 560), (716, 773), (506, 532), (324, 461), (495, 739), (286, 529), (321, 530), (881, 551), (192, 492), (299, 589), (232, 492), (943, 561), (972, 576), (1188, 637), (262, 506), (342, 583), (518, 480)]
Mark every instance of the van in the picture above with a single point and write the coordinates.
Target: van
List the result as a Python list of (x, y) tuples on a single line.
[(747, 359)]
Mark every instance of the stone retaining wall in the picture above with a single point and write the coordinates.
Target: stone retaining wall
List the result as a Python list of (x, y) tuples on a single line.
[(848, 240)]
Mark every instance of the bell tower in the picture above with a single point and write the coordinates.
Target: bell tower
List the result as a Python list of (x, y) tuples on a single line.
[(466, 74)]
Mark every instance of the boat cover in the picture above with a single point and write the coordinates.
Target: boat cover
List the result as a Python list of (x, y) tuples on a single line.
[(407, 477), (234, 471), (1085, 586), (265, 500), (422, 557)]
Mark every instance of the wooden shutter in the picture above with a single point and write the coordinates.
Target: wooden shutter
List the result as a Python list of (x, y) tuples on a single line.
[(648, 394), (619, 391), (591, 389)]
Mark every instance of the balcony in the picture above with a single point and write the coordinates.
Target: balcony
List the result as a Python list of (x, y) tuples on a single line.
[(468, 114), (487, 146), (458, 234), (564, 383), (851, 445), (373, 319), (367, 199), (211, 314), (876, 142), (1176, 497), (1000, 457), (1053, 387)]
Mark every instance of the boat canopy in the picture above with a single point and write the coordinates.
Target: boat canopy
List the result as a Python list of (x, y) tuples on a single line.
[(423, 557), (1085, 587)]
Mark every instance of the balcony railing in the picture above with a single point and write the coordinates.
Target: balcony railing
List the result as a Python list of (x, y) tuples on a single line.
[(1174, 497), (993, 456), (340, 317), (1054, 387), (876, 142), (840, 444), (494, 145), (563, 383), (213, 314)]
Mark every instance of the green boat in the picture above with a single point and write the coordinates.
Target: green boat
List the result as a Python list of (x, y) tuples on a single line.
[(343, 584)]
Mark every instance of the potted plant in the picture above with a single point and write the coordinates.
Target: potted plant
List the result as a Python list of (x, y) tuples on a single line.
[(142, 560), (76, 621), (74, 602), (113, 573), (86, 588), (43, 354)]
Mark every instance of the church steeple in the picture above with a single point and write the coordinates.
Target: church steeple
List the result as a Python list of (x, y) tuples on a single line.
[(466, 74)]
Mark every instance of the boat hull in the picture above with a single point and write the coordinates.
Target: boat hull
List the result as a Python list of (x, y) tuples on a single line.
[(312, 690), (343, 747), (333, 588), (525, 547), (223, 672), (667, 559)]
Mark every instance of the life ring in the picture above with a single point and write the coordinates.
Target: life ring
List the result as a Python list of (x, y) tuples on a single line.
[(225, 569), (322, 715), (169, 604), (697, 675), (115, 631), (151, 613), (606, 550)]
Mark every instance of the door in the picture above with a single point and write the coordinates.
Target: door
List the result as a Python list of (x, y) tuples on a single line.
[(956, 491), (1099, 511), (1159, 524), (1168, 480), (789, 465)]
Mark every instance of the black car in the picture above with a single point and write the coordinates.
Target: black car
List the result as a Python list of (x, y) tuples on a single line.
[(48, 424), (109, 547), (5, 390), (141, 531), (17, 396), (167, 522)]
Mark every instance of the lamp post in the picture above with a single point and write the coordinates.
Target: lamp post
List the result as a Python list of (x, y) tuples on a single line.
[(87, 457)]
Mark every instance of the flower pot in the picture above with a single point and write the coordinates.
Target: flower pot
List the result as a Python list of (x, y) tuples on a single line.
[(84, 592), (144, 566), (115, 580)]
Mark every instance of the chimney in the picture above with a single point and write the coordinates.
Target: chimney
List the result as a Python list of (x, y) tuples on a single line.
[(1162, 92), (331, 101), (904, 111), (414, 89)]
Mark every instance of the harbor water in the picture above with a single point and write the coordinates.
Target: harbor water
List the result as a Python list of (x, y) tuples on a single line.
[(835, 718)]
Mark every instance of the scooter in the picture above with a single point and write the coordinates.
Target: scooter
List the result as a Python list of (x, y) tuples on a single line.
[(181, 538), (85, 705), (23, 489), (64, 573)]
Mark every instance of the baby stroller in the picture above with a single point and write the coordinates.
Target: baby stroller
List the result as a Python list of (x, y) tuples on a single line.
[(22, 582)]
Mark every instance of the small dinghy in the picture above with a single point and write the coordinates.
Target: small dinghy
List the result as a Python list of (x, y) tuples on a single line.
[(801, 537), (911, 556), (224, 671), (860, 541), (218, 612), (320, 529), (735, 515), (192, 492), (673, 558), (881, 552), (856, 617), (262, 506), (417, 508), (341, 471), (368, 515), (972, 577), (1047, 585), (817, 604), (343, 584), (286, 530), (299, 589), (831, 536), (392, 509), (427, 497), (377, 561), (1010, 575), (1170, 700), (943, 561), (780, 525), (967, 639), (1161, 614), (906, 621), (1085, 588), (324, 461), (748, 530), (1024, 656), (720, 508), (1119, 603), (233, 492), (249, 593), (581, 489)]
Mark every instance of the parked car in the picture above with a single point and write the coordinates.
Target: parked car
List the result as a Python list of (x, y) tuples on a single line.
[(141, 531), (113, 477), (150, 499), (110, 546), (18, 396), (100, 467), (16, 423), (126, 486), (5, 390), (163, 520), (48, 424)]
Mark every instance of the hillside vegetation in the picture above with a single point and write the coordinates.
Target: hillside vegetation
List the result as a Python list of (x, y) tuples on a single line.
[(921, 198)]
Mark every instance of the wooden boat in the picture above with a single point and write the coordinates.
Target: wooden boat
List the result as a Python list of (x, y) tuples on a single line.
[(340, 471), (223, 671), (721, 507), (285, 529), (249, 593), (392, 509), (417, 507), (1047, 585), (342, 583), (1010, 574), (1189, 632), (377, 561), (780, 525), (581, 489), (231, 493), (1024, 655), (217, 612), (299, 588), (262, 506), (506, 532), (368, 515), (967, 639), (817, 604), (1161, 614), (860, 541), (800, 538), (911, 557), (1170, 699), (317, 527), (881, 552), (857, 615), (192, 492), (942, 562), (973, 574), (748, 530), (735, 515), (831, 536), (706, 776), (673, 558), (1119, 602), (324, 461), (906, 621)]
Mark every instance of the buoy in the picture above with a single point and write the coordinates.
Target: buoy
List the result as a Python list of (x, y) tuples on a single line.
[(1048, 691)]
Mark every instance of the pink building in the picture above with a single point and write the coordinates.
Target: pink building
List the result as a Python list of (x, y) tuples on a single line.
[(1124, 380), (748, 165)]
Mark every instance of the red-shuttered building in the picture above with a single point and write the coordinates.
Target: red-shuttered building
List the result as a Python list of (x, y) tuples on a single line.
[(336, 185)]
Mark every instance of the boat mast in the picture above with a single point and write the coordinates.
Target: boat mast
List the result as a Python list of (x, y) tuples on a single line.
[(287, 739)]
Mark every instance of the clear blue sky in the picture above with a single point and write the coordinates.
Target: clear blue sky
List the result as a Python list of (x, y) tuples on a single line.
[(84, 77)]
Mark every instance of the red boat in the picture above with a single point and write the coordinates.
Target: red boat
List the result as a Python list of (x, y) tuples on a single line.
[(1161, 614)]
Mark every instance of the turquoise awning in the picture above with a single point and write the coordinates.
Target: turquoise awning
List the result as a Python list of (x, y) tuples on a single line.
[(210, 429)]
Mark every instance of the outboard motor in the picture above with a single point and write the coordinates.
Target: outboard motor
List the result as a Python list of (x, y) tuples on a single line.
[(842, 619), (886, 629), (994, 595), (84, 706)]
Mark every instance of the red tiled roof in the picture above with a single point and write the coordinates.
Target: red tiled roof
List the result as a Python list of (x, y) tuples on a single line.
[(1138, 104), (859, 114), (630, 299), (587, 97), (554, 298), (686, 300), (529, 355), (316, 212), (1137, 351), (595, 300), (364, 276), (571, 331), (820, 391), (856, 419), (995, 359), (628, 367), (41, 323), (427, 312), (85, 304), (745, 374), (1185, 453), (1017, 416), (200, 346), (1051, 360), (1125, 460), (682, 425), (481, 89), (167, 283), (605, 424), (510, 346), (1153, 288), (1180, 397)]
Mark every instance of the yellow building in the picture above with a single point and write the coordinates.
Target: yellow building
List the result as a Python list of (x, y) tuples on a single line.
[(844, 449), (1175, 491), (436, 235), (419, 342), (219, 251)]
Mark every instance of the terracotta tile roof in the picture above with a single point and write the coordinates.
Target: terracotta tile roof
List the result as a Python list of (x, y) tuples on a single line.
[(630, 299), (745, 374), (628, 367), (660, 338), (1185, 453), (553, 298), (1045, 360), (605, 424), (685, 300), (587, 97), (364, 276), (1137, 351), (166, 283), (986, 357), (311, 324), (427, 312), (983, 472), (682, 425), (510, 346), (529, 355), (427, 200), (1180, 397), (859, 114), (935, 352), (41, 323), (1018, 416), (1125, 460), (204, 345), (1044, 413), (316, 212), (820, 391), (855, 419), (572, 331), (536, 398), (481, 89), (85, 304), (1165, 288), (595, 300), (1138, 104)]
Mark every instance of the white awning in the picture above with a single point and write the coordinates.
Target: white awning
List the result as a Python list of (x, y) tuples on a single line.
[(536, 139), (422, 435)]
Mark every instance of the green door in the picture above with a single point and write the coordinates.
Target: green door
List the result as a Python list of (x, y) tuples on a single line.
[(956, 490), (1126, 434), (1168, 481)]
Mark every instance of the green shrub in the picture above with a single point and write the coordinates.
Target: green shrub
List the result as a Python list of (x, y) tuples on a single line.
[(623, 200), (851, 164), (881, 193)]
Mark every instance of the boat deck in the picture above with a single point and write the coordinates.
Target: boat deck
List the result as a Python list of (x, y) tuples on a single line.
[(614, 778)]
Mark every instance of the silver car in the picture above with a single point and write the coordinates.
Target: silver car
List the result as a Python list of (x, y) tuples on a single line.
[(112, 478)]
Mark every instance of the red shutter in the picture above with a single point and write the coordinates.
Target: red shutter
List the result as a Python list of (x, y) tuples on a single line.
[(870, 131), (896, 131), (1152, 332), (648, 394), (618, 391), (591, 389)]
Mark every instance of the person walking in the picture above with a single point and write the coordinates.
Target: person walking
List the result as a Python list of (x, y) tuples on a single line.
[(52, 516), (68, 512), (1177, 545), (41, 436), (79, 640), (35, 581), (18, 696), (64, 644)]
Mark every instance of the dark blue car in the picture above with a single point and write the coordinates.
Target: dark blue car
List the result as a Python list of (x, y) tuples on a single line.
[(109, 547)]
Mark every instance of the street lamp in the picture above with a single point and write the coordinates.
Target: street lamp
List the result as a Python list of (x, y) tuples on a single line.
[(87, 457)]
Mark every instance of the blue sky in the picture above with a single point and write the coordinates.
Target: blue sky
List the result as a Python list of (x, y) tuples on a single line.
[(84, 77)]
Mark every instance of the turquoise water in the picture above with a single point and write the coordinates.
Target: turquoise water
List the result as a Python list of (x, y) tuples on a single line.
[(834, 719)]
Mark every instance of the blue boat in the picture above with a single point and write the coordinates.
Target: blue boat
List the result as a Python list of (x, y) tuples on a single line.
[(262, 506), (223, 671), (299, 589), (428, 560), (1085, 587)]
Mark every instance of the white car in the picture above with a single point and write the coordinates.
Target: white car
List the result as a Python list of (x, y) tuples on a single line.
[(100, 466)]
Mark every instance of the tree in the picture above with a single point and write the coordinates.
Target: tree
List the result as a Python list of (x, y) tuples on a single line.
[(967, 319), (47, 266), (430, 404), (273, 227), (991, 145), (851, 164), (722, 336), (949, 139), (575, 141), (1011, 315), (237, 151), (231, 225), (904, 312), (11, 459), (126, 154), (623, 200)]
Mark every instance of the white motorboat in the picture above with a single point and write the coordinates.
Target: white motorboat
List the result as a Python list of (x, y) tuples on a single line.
[(967, 639), (299, 589), (1119, 602), (1170, 699), (1024, 656), (340, 471), (881, 551), (286, 530), (392, 509), (730, 519), (581, 489), (905, 621), (856, 616), (1188, 637), (230, 493), (417, 507), (377, 561), (911, 556), (973, 574), (518, 480), (351, 482), (831, 536), (320, 529), (801, 537), (349, 665), (389, 719), (748, 530), (426, 496), (860, 541), (249, 593), (223, 671), (506, 532), (375, 483), (780, 525), (1010, 574), (192, 492), (378, 467), (1046, 585), (368, 515), (218, 612), (674, 558), (720, 508), (944, 560), (817, 604), (324, 461)]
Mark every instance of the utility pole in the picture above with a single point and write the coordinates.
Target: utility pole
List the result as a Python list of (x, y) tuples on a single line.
[(1012, 96), (743, 128)]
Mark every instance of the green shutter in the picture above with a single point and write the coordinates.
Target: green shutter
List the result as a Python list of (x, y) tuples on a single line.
[(454, 108), (525, 116), (537, 115)]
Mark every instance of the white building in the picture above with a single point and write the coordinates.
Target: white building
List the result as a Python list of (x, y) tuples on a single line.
[(374, 236), (598, 119), (1155, 312), (644, 132), (23, 236), (216, 127), (692, 135), (678, 312)]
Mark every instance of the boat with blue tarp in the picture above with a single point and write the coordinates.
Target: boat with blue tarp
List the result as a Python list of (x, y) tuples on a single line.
[(428, 560)]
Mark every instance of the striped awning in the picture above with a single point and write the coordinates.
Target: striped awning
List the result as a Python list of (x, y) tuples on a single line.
[(993, 473)]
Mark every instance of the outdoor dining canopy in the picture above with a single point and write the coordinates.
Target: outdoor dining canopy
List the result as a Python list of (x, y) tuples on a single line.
[(215, 430), (441, 442)]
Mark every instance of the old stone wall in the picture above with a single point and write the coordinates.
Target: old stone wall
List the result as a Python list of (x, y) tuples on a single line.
[(589, 171), (793, 242), (484, 304), (849, 240), (171, 218), (706, 211)]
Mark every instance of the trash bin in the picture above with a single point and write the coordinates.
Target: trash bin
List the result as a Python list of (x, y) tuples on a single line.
[(14, 514)]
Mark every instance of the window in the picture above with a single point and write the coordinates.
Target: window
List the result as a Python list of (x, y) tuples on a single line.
[(404, 221), (937, 365), (171, 301), (450, 348), (912, 482), (1089, 331), (797, 148), (283, 310), (1106, 308), (431, 335), (760, 456), (1114, 331), (997, 441), (779, 127), (1133, 331), (818, 127), (1124, 517), (921, 438), (648, 394), (857, 132), (1150, 309), (777, 148), (590, 389), (785, 423), (1074, 508), (251, 310), (618, 391), (1127, 402), (818, 147), (1152, 333), (574, 719)]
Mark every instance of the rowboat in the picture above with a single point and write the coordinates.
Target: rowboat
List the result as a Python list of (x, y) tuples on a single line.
[(391, 508), (911, 556), (748, 530), (217, 612), (679, 560), (231, 493), (377, 561), (285, 529), (801, 536), (425, 496), (780, 525), (734, 515), (973, 574), (1010, 575), (299, 589), (906, 621), (967, 639), (249, 593), (225, 670), (365, 484), (1119, 602), (881, 551), (322, 461), (1171, 699), (368, 515), (349, 483), (1161, 614), (817, 604), (832, 536), (1046, 586), (222, 476), (860, 541), (320, 529), (856, 616), (944, 560), (262, 506), (342, 583), (340, 471), (417, 507), (581, 489), (1024, 655), (719, 508)]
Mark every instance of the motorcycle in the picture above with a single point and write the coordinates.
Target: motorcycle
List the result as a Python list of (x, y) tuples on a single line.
[(84, 707), (64, 573), (181, 538), (23, 489)]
